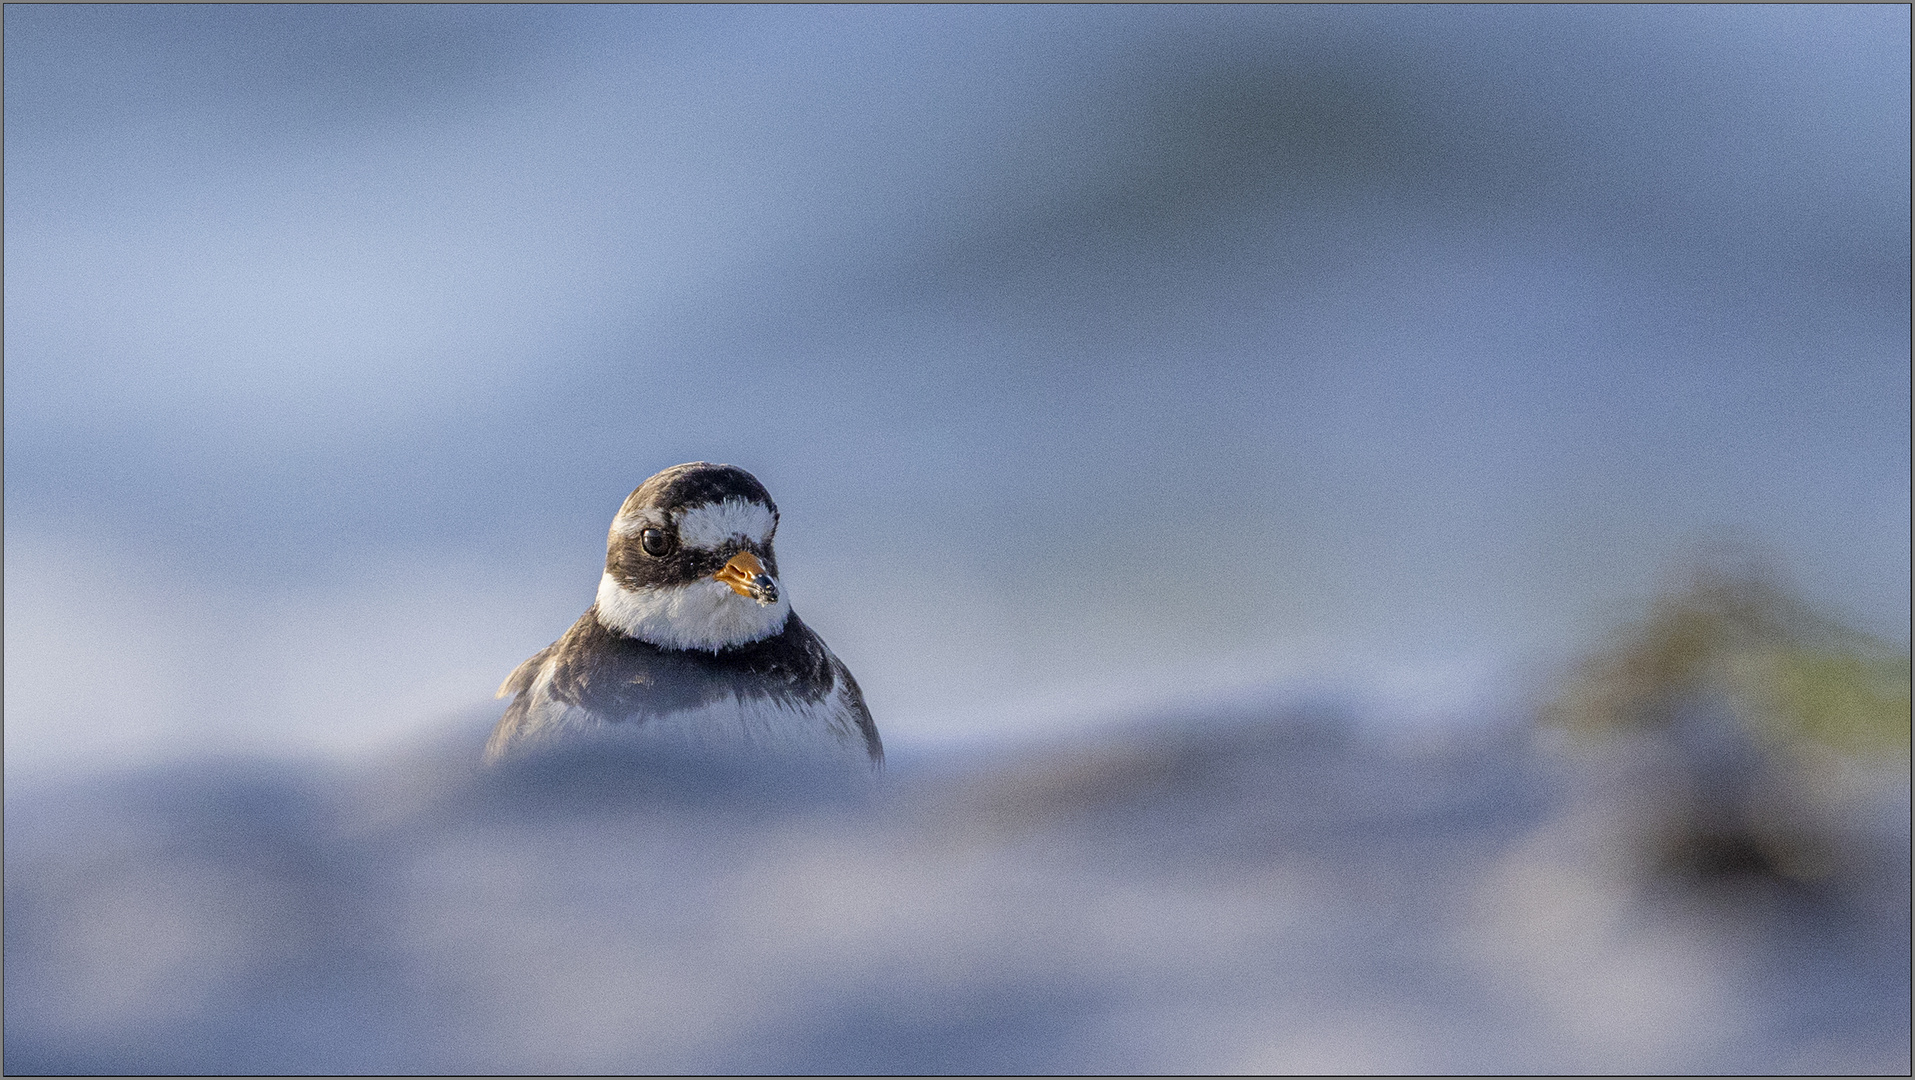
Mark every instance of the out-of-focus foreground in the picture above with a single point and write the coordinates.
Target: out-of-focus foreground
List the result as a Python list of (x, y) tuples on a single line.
[(1277, 891)]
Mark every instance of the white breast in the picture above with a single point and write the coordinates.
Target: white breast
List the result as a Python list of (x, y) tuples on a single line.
[(821, 730)]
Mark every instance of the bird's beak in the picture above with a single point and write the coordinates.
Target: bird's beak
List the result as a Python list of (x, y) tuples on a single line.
[(747, 577)]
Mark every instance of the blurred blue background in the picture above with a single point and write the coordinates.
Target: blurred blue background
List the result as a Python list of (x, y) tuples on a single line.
[(1106, 363), (1082, 348)]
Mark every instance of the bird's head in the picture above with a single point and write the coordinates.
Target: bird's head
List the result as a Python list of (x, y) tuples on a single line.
[(689, 565)]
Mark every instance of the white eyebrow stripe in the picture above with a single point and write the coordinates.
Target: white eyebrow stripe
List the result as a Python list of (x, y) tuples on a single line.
[(709, 526)]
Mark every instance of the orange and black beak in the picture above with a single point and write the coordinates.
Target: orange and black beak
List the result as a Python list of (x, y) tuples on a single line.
[(747, 577)]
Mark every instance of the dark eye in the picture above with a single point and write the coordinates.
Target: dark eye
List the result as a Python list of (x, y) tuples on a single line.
[(656, 542)]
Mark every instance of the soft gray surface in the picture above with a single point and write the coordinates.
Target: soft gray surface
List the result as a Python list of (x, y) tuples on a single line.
[(1264, 894)]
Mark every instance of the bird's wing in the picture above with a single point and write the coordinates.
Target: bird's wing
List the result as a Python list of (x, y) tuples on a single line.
[(521, 678), (518, 683), (852, 701)]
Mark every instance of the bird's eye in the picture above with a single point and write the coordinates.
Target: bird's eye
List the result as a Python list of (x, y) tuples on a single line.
[(656, 542)]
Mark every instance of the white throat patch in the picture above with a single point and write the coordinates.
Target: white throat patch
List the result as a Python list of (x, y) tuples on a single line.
[(705, 615), (711, 525)]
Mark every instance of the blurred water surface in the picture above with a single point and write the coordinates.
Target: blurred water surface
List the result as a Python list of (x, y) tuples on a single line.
[(1133, 382)]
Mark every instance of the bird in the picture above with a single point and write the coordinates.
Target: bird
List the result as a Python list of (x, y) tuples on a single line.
[(692, 637)]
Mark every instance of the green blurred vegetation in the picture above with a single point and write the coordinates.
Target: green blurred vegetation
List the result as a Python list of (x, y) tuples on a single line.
[(1792, 676), (1766, 726)]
